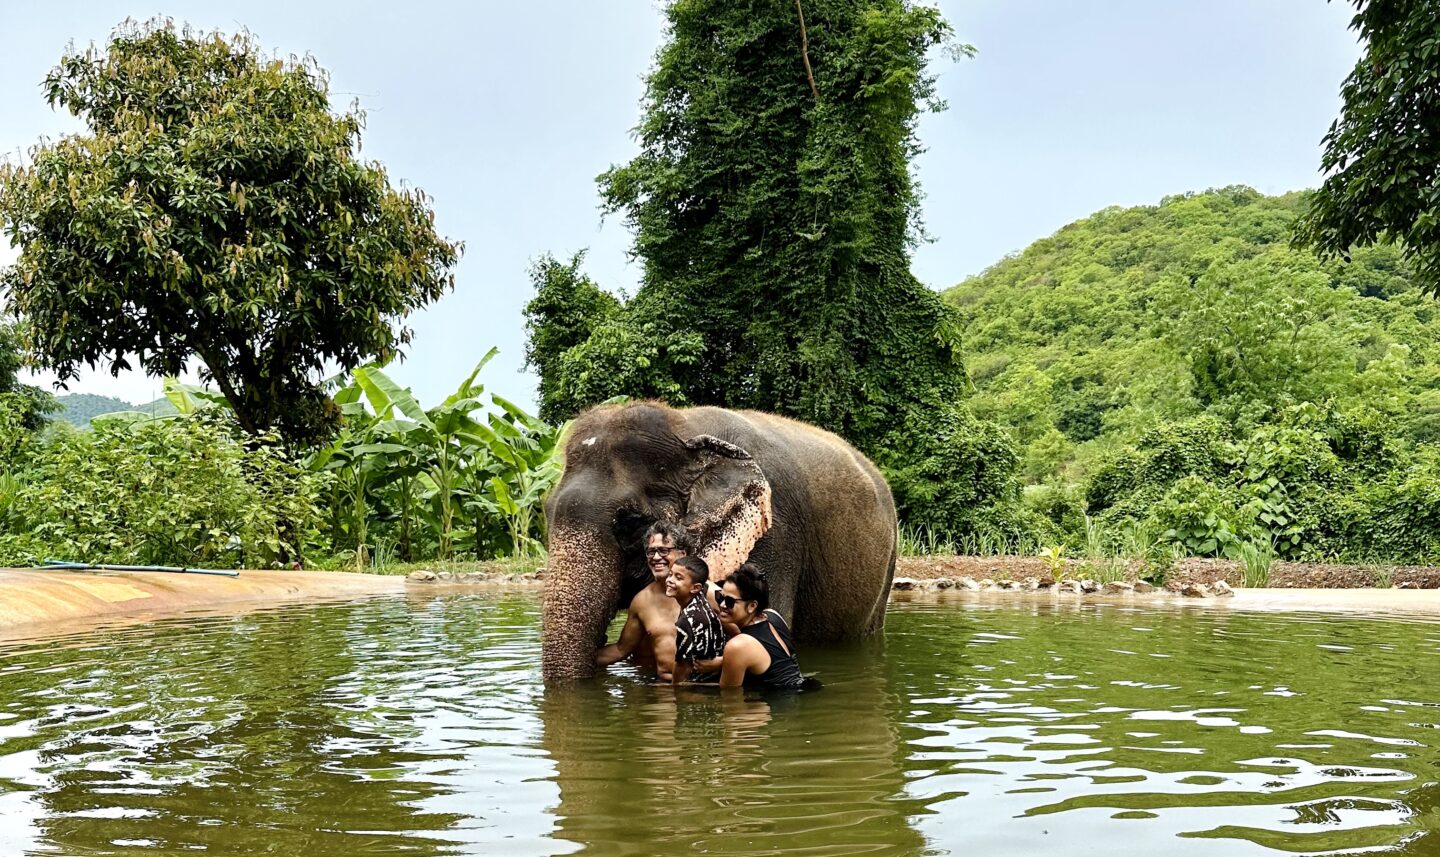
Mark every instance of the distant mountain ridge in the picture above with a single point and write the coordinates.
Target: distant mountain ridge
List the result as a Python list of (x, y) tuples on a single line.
[(78, 409)]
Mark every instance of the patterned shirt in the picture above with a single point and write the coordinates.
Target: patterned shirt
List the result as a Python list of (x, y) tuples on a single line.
[(698, 635)]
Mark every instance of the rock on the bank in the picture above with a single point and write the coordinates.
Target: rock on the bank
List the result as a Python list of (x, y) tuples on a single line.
[(903, 584)]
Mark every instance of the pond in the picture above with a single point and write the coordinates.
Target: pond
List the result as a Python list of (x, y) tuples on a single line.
[(421, 727)]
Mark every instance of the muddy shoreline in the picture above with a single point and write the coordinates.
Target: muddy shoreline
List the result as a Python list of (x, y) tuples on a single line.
[(1283, 575), (1019, 569)]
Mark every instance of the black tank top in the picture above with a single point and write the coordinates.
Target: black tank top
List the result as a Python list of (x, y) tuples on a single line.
[(784, 671)]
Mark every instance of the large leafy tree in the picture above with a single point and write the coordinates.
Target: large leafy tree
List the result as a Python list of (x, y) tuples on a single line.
[(1382, 155), (215, 208), (774, 211)]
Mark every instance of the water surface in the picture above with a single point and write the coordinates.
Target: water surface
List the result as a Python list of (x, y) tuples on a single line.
[(420, 727)]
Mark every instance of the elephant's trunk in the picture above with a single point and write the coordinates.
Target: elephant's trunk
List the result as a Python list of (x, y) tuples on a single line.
[(582, 585)]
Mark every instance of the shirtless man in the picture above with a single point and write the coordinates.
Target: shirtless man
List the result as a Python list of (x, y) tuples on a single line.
[(651, 623)]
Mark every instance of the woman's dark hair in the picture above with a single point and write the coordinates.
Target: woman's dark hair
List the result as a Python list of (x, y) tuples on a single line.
[(673, 533), (750, 580), (695, 567)]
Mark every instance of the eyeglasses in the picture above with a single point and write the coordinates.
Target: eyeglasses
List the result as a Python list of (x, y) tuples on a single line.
[(659, 551), (728, 601)]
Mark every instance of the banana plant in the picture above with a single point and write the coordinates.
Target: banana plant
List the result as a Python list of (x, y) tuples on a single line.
[(445, 467), (361, 458), (446, 432), (526, 448)]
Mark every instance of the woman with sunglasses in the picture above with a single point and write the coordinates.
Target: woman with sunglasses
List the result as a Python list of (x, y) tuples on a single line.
[(762, 654)]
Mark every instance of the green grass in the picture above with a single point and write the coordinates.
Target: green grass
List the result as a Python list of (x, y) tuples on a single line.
[(1256, 558), (512, 565)]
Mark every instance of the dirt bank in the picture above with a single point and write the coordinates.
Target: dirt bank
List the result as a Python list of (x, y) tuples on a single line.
[(31, 601), (1283, 575)]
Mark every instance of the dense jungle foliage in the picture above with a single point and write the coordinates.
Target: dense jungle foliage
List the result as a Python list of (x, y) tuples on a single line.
[(1182, 371), (400, 483), (774, 211), (1183, 378)]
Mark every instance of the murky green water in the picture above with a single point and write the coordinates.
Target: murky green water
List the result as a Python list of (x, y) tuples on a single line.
[(421, 728)]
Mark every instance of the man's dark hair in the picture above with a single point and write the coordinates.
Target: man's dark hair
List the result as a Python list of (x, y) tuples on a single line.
[(694, 566), (672, 533), (750, 580)]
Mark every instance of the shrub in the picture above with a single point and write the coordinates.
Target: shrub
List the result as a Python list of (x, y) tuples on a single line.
[(1205, 519), (182, 491), (1060, 505), (953, 474)]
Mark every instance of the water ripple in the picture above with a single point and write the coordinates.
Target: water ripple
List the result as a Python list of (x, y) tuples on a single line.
[(421, 727)]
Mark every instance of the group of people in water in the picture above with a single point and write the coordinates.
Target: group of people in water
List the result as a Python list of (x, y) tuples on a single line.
[(698, 631)]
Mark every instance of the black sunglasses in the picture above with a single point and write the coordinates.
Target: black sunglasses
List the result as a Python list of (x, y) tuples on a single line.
[(659, 551), (728, 601)]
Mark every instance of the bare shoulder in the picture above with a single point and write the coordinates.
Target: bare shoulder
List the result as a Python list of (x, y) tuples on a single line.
[(645, 600), (742, 644)]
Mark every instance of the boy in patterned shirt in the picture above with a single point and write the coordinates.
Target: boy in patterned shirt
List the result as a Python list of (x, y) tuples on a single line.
[(699, 637)]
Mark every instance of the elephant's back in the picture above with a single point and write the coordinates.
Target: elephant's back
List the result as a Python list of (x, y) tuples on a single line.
[(800, 452), (834, 519)]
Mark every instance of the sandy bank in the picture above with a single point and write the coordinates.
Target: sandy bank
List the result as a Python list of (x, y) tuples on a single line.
[(1411, 603), (35, 601), (1414, 602)]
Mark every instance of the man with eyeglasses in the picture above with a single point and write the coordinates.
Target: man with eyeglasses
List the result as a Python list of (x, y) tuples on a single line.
[(649, 631)]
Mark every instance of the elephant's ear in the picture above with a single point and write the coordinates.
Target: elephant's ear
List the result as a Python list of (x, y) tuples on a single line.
[(728, 508)]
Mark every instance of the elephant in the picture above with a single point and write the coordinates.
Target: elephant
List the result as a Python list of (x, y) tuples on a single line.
[(797, 500)]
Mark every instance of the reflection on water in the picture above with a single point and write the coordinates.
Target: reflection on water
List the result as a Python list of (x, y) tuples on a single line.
[(421, 728)]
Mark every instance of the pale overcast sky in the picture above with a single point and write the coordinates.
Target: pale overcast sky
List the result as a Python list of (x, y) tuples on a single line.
[(506, 111)]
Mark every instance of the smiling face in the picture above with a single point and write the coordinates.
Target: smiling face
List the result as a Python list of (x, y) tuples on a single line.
[(660, 555), (679, 582), (732, 608)]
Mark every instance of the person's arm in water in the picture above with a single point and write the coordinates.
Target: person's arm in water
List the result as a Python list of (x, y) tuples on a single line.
[(630, 637), (742, 655), (709, 665)]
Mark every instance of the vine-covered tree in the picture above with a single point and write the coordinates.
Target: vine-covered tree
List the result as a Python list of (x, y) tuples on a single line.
[(774, 211), (1382, 155), (215, 208)]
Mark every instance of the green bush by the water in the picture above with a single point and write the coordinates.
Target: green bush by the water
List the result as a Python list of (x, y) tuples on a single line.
[(167, 492), (400, 483)]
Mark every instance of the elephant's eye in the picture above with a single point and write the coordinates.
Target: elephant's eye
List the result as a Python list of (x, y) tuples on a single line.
[(629, 527)]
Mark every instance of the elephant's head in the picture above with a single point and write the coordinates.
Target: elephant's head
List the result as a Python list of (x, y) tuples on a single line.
[(625, 468)]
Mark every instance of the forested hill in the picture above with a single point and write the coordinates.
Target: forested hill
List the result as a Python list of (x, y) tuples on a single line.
[(79, 408), (1198, 305)]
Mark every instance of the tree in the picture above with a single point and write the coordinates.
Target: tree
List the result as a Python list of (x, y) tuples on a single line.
[(32, 405), (1382, 155), (214, 209), (774, 210)]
